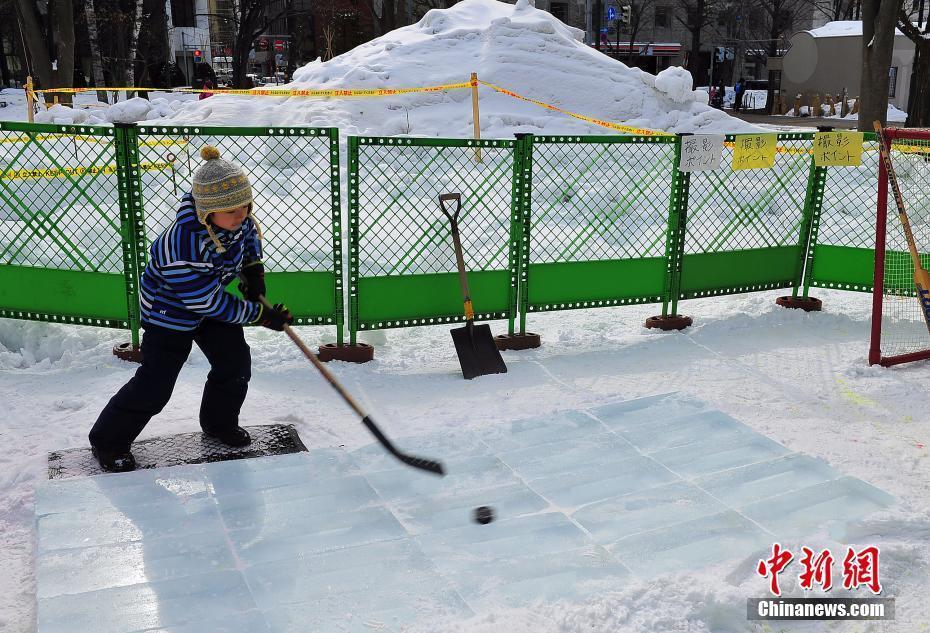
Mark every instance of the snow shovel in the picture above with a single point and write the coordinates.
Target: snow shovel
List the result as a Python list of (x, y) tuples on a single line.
[(478, 354)]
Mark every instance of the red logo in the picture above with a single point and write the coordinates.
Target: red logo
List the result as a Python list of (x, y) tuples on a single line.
[(774, 566), (859, 568)]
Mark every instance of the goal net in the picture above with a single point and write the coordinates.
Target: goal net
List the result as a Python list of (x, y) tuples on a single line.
[(899, 331)]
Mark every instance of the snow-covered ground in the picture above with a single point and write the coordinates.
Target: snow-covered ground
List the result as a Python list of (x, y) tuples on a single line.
[(800, 379)]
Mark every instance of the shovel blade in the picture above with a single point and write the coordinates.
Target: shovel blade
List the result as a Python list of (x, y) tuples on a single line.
[(478, 354)]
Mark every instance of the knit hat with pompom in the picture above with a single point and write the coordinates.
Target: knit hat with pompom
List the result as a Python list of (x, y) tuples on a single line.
[(219, 185)]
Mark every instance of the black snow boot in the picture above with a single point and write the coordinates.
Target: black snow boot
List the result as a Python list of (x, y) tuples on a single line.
[(236, 437), (114, 461)]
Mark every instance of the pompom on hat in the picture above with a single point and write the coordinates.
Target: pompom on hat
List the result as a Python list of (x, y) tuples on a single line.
[(219, 185)]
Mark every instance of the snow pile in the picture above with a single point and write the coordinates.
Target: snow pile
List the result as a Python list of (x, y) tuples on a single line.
[(129, 111), (517, 47), (675, 82), (842, 28)]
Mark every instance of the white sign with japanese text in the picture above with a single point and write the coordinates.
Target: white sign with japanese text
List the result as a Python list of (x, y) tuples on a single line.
[(701, 152)]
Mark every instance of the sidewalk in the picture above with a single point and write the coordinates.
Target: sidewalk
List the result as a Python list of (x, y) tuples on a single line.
[(794, 122)]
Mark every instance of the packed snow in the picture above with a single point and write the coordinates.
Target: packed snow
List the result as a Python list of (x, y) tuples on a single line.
[(800, 379), (496, 40)]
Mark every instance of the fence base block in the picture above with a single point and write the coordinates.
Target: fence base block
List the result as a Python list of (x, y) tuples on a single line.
[(669, 322), (125, 351), (808, 304), (358, 353), (524, 340)]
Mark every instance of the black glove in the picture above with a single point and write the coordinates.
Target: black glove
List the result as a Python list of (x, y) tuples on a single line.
[(275, 318), (253, 281)]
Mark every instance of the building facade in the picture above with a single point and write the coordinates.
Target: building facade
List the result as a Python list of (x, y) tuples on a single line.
[(828, 60), (188, 33)]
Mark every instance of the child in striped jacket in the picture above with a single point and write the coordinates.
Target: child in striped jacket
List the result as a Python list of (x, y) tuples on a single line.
[(183, 297)]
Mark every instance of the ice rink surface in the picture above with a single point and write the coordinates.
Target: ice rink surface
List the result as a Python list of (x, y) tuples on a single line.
[(336, 540)]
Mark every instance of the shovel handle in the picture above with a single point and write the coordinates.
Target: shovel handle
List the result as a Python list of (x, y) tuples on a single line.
[(459, 259), (451, 197)]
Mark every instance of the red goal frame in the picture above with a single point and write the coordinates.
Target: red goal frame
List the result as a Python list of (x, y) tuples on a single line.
[(881, 223)]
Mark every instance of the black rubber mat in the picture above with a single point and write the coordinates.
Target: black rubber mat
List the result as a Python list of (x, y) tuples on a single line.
[(184, 448)]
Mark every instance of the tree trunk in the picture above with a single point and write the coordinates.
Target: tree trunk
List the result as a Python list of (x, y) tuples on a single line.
[(696, 66), (878, 29), (136, 22), (918, 111), (95, 62), (918, 100), (52, 65)]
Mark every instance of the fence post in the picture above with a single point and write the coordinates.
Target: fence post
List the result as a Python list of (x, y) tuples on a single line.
[(353, 352), (352, 147), (521, 208), (674, 247), (132, 229), (807, 238), (334, 184)]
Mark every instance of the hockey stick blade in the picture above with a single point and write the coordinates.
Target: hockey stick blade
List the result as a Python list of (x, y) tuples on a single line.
[(422, 463), (922, 280)]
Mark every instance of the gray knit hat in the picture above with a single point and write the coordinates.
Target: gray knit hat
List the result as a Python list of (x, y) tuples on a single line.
[(219, 185)]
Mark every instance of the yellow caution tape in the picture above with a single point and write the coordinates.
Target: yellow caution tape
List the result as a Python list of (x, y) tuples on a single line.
[(613, 126), (91, 139), (276, 92), (36, 174)]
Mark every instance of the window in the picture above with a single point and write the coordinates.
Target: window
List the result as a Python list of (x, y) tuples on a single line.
[(182, 13), (559, 10), (661, 18), (892, 80)]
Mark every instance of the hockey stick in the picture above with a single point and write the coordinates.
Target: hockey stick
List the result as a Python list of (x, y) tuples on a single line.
[(921, 276), (422, 463)]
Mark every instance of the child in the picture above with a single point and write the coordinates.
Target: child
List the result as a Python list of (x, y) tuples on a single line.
[(183, 301)]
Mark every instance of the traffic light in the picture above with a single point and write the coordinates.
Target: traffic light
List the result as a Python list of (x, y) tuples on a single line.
[(198, 56), (625, 12)]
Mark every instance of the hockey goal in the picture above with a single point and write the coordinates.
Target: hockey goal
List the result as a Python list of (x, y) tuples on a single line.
[(899, 331)]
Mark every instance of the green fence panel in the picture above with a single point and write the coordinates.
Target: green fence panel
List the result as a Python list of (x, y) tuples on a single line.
[(402, 269), (746, 228), (843, 242), (294, 173), (61, 235), (599, 221)]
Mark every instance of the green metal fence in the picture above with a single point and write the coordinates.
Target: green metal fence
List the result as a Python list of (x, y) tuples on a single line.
[(748, 229), (294, 173), (61, 229), (81, 205), (843, 241), (401, 258), (548, 223), (598, 226)]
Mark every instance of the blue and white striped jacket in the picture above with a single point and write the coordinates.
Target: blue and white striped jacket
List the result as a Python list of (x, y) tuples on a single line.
[(185, 280)]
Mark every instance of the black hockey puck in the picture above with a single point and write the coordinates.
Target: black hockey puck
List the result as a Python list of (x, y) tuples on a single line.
[(484, 515)]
